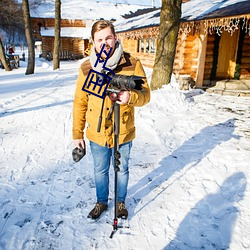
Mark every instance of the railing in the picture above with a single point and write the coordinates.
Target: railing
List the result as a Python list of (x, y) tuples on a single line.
[(63, 55)]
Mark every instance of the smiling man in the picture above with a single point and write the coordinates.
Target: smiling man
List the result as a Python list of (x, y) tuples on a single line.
[(87, 107), (103, 34)]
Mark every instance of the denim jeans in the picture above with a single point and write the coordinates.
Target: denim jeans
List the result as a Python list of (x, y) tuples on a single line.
[(102, 157)]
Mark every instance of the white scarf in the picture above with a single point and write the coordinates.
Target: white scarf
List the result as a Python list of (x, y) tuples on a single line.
[(111, 63)]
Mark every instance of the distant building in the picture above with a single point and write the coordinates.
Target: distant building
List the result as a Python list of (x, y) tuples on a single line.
[(77, 19)]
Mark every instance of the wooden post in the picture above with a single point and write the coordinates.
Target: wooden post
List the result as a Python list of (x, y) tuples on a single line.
[(144, 45), (140, 45), (149, 45), (201, 60)]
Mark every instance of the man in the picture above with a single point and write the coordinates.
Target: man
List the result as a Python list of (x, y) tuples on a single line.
[(87, 107)]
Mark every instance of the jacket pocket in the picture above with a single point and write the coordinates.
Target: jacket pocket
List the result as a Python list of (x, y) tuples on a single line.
[(127, 120)]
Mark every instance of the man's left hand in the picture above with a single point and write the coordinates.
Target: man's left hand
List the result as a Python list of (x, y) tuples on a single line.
[(123, 97)]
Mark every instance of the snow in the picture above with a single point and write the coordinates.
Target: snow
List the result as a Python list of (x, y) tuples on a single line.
[(84, 33), (192, 10), (189, 169), (86, 10), (145, 20), (196, 9), (155, 3)]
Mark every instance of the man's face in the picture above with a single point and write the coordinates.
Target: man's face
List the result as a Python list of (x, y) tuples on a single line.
[(104, 36)]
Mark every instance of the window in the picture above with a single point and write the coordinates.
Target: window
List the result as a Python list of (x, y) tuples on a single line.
[(146, 45)]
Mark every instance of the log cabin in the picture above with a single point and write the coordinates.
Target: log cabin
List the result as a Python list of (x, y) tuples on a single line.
[(213, 41), (74, 37), (77, 18)]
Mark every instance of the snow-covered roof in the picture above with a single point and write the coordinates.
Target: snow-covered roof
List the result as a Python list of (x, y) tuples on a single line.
[(79, 32), (145, 20), (206, 9), (85, 10), (191, 11)]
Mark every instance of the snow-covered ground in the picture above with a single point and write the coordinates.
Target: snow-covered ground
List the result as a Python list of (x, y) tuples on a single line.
[(189, 169)]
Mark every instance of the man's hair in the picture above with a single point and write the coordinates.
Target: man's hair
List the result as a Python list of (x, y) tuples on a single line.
[(100, 25)]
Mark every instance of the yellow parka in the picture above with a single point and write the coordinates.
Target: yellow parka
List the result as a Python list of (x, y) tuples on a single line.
[(87, 107)]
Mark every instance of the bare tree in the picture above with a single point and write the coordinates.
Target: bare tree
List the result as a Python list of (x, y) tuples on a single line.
[(28, 33), (56, 59), (11, 24), (3, 57), (168, 34), (11, 17)]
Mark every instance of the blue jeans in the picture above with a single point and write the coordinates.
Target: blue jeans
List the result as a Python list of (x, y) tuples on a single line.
[(102, 158)]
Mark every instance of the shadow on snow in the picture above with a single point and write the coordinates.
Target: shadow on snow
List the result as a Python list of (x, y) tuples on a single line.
[(23, 110), (210, 223), (189, 155)]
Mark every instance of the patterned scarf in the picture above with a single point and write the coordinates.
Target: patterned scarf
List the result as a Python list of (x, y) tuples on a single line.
[(112, 62)]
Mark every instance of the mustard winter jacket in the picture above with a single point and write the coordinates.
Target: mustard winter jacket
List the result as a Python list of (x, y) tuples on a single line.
[(87, 107)]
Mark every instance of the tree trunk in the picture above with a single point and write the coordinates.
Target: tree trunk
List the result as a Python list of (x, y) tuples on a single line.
[(29, 38), (56, 59), (168, 34), (3, 57)]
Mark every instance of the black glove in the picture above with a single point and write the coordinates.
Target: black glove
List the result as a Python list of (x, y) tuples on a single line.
[(78, 153)]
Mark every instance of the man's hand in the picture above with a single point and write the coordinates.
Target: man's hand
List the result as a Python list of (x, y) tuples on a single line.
[(79, 151), (79, 143), (123, 97)]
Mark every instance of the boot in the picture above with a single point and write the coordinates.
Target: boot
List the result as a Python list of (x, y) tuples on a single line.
[(97, 210), (122, 211)]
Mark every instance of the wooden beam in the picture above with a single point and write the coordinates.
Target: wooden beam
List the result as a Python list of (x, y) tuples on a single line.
[(201, 60)]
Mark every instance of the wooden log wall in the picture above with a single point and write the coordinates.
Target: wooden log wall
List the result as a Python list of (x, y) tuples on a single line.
[(186, 55), (73, 45), (146, 59), (245, 60), (79, 46), (50, 22), (178, 61), (47, 45), (190, 56), (185, 59), (131, 46), (66, 44)]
